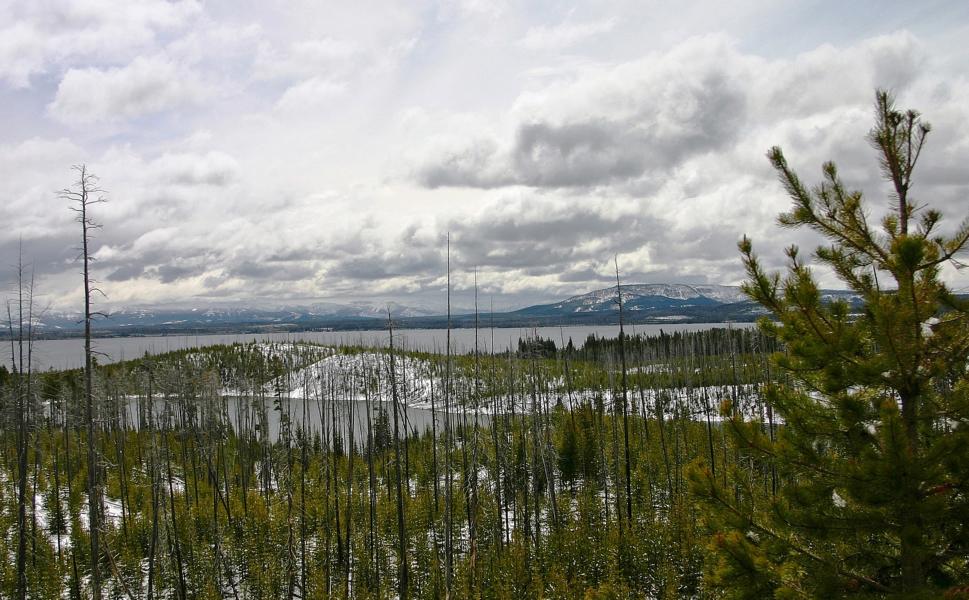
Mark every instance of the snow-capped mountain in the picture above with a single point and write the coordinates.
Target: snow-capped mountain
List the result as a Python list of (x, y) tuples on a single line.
[(644, 297), (634, 296)]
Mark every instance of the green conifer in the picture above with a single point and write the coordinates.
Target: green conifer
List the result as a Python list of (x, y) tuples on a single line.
[(872, 458)]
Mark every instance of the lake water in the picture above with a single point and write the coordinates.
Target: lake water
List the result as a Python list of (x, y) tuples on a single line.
[(69, 353)]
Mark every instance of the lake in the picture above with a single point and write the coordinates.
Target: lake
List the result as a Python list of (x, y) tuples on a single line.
[(69, 353)]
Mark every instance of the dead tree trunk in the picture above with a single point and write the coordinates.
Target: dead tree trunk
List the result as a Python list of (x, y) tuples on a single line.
[(401, 533), (625, 401), (84, 193)]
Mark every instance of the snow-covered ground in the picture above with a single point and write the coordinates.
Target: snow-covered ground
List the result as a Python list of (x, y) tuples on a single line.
[(336, 386), (367, 375)]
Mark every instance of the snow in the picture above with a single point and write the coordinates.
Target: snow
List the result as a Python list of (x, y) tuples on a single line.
[(112, 512), (415, 380), (416, 377), (606, 298)]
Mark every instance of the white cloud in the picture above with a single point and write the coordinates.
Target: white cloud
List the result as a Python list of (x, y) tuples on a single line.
[(489, 10), (42, 35), (28, 190), (145, 86), (612, 124), (309, 95), (628, 123), (565, 35), (216, 43), (322, 57), (22, 54)]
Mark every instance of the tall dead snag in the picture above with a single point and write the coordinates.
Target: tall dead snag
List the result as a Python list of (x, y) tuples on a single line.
[(84, 193), (473, 484), (625, 401), (448, 465), (496, 410), (401, 532), (23, 336)]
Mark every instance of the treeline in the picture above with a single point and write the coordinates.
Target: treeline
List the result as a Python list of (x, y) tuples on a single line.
[(717, 341)]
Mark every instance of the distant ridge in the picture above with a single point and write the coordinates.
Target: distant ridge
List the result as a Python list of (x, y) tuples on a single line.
[(646, 296), (642, 303)]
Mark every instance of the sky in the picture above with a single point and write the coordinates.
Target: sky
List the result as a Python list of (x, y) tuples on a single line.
[(292, 152)]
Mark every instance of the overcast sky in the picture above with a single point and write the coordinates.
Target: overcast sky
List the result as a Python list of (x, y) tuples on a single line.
[(296, 151)]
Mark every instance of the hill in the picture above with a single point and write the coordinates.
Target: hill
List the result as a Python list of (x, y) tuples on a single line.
[(642, 303)]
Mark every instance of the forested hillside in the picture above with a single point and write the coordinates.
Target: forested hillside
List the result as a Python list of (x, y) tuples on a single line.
[(234, 471)]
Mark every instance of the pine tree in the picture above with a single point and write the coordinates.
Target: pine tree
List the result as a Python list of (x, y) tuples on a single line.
[(568, 451), (873, 455)]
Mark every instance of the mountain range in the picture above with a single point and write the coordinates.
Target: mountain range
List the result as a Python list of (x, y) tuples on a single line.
[(642, 303)]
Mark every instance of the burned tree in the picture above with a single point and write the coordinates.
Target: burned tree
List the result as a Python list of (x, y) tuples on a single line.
[(84, 193)]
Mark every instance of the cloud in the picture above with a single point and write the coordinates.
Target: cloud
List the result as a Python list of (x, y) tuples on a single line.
[(323, 57), (309, 95), (213, 168), (609, 126), (565, 34), (43, 35), (475, 163), (27, 189), (627, 124), (22, 54), (273, 271), (548, 234), (126, 272), (143, 87), (388, 263), (253, 154), (682, 135), (473, 10), (177, 270)]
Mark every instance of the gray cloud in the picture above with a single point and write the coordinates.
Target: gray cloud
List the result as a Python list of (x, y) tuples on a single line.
[(274, 271), (476, 164), (639, 119), (384, 263), (594, 152), (543, 237), (213, 168), (583, 275), (627, 124), (126, 272), (173, 272), (580, 154)]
